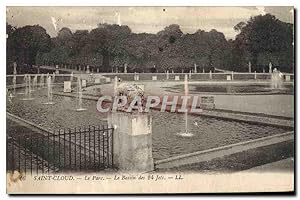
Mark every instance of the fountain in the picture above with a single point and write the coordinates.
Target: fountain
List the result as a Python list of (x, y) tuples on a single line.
[(276, 79), (14, 80), (79, 91), (270, 67), (56, 70), (34, 83), (49, 91), (42, 81), (71, 77), (249, 67), (28, 90), (125, 68), (53, 78), (186, 93), (25, 83)]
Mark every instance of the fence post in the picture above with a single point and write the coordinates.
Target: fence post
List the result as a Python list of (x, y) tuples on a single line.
[(132, 141)]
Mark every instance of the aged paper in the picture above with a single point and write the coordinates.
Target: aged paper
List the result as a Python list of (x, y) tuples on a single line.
[(123, 100)]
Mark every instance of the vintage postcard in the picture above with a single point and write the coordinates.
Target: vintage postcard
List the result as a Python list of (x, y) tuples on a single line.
[(146, 100)]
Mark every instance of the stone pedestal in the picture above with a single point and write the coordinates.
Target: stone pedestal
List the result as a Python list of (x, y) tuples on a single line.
[(107, 80), (177, 78), (287, 78), (83, 83), (125, 68), (228, 77), (154, 78), (56, 69), (132, 141), (88, 69), (136, 77), (67, 86), (97, 80)]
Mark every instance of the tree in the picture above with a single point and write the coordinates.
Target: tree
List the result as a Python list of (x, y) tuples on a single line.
[(10, 50), (266, 39), (261, 40), (108, 40), (26, 42)]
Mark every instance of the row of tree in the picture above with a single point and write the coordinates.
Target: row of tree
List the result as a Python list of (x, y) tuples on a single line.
[(261, 40)]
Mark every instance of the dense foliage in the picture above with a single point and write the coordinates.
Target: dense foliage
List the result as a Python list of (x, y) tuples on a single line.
[(261, 40)]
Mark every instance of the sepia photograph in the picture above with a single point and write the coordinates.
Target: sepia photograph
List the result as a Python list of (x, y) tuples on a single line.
[(150, 99)]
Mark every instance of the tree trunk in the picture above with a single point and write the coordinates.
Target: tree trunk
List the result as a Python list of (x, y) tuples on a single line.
[(105, 62)]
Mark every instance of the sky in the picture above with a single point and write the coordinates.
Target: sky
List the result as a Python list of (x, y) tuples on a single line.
[(142, 19)]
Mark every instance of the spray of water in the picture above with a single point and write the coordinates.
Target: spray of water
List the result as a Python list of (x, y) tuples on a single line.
[(53, 77), (26, 84), (14, 80), (49, 91), (29, 86), (27, 80), (42, 81), (79, 92), (34, 83), (14, 85), (71, 77), (186, 93), (276, 79)]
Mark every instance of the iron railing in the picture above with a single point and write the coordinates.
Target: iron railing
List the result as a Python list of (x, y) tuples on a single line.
[(79, 149)]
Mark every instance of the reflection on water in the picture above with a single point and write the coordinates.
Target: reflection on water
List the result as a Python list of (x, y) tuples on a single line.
[(185, 134), (233, 88), (205, 132), (62, 114)]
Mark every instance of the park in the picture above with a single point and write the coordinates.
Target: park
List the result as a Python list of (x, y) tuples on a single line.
[(244, 91)]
